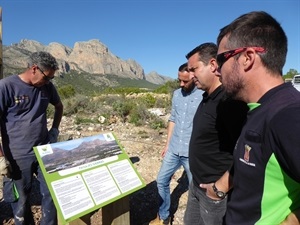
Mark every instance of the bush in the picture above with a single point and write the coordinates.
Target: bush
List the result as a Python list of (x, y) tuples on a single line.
[(123, 90), (168, 88), (134, 110), (148, 100), (163, 103), (122, 108), (75, 105), (157, 123), (66, 91), (139, 115), (79, 120)]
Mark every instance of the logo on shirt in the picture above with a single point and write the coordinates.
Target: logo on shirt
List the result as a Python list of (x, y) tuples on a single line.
[(247, 153), (246, 158), (21, 99)]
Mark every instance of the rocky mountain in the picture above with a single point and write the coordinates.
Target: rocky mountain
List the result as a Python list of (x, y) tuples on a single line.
[(155, 78), (91, 57)]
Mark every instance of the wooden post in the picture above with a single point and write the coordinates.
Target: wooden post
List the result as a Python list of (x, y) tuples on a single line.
[(85, 220), (116, 213), (1, 54)]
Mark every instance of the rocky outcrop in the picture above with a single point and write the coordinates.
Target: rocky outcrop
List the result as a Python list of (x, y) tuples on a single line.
[(91, 56), (155, 78)]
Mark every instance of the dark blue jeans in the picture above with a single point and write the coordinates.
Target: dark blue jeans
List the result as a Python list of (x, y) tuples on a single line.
[(22, 174), (202, 210)]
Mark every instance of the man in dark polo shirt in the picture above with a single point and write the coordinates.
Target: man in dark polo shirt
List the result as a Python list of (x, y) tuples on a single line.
[(216, 127), (266, 180)]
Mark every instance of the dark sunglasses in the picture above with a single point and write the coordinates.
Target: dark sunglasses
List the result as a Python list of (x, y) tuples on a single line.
[(45, 77), (224, 56)]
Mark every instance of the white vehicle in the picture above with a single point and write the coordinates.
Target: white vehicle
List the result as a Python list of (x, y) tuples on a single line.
[(296, 82)]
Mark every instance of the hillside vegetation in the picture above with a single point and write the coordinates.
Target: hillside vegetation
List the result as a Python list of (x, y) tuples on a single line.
[(92, 84), (103, 99)]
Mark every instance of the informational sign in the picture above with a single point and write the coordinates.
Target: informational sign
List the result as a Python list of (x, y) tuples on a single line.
[(86, 174)]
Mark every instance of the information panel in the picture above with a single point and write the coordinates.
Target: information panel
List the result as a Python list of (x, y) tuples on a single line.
[(86, 174)]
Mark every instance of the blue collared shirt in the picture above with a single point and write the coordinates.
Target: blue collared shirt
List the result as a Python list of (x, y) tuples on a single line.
[(184, 107)]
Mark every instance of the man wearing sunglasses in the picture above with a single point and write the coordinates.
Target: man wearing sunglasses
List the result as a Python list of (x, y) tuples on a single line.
[(266, 173), (216, 127), (24, 99)]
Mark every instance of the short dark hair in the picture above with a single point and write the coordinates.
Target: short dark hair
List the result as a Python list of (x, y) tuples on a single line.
[(183, 67), (260, 29), (206, 51), (44, 60)]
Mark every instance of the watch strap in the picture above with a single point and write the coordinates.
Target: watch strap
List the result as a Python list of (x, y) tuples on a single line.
[(219, 194)]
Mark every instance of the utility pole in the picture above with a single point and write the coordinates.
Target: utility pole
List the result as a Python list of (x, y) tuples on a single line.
[(1, 58)]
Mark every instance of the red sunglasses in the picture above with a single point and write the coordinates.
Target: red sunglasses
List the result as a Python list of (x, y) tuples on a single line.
[(224, 56)]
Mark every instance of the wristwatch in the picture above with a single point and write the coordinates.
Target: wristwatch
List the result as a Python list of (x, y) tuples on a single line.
[(219, 194)]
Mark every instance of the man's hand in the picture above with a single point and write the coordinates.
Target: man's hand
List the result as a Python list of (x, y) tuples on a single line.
[(53, 135), (292, 219), (209, 191), (224, 184), (164, 151), (3, 166)]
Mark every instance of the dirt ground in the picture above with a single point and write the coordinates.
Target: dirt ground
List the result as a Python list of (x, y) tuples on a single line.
[(143, 145)]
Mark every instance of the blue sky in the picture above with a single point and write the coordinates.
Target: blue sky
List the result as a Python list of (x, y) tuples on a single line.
[(155, 33)]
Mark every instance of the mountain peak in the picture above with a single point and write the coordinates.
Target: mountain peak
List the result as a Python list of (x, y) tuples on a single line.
[(91, 56)]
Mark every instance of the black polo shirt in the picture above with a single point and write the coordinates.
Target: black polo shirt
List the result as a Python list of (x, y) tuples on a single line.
[(216, 127), (266, 182)]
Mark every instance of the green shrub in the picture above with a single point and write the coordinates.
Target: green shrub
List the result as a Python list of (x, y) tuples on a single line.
[(76, 104), (50, 111), (139, 115), (156, 123), (143, 134), (123, 90), (88, 109), (111, 99), (122, 108), (163, 103), (168, 87), (79, 120), (148, 100), (66, 91)]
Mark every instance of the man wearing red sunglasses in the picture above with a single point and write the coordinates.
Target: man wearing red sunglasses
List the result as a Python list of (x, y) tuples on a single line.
[(266, 172)]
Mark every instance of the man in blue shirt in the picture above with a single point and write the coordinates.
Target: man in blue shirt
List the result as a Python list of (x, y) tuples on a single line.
[(185, 102)]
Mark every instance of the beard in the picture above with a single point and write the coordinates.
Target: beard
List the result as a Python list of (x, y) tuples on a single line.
[(190, 87), (234, 83)]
